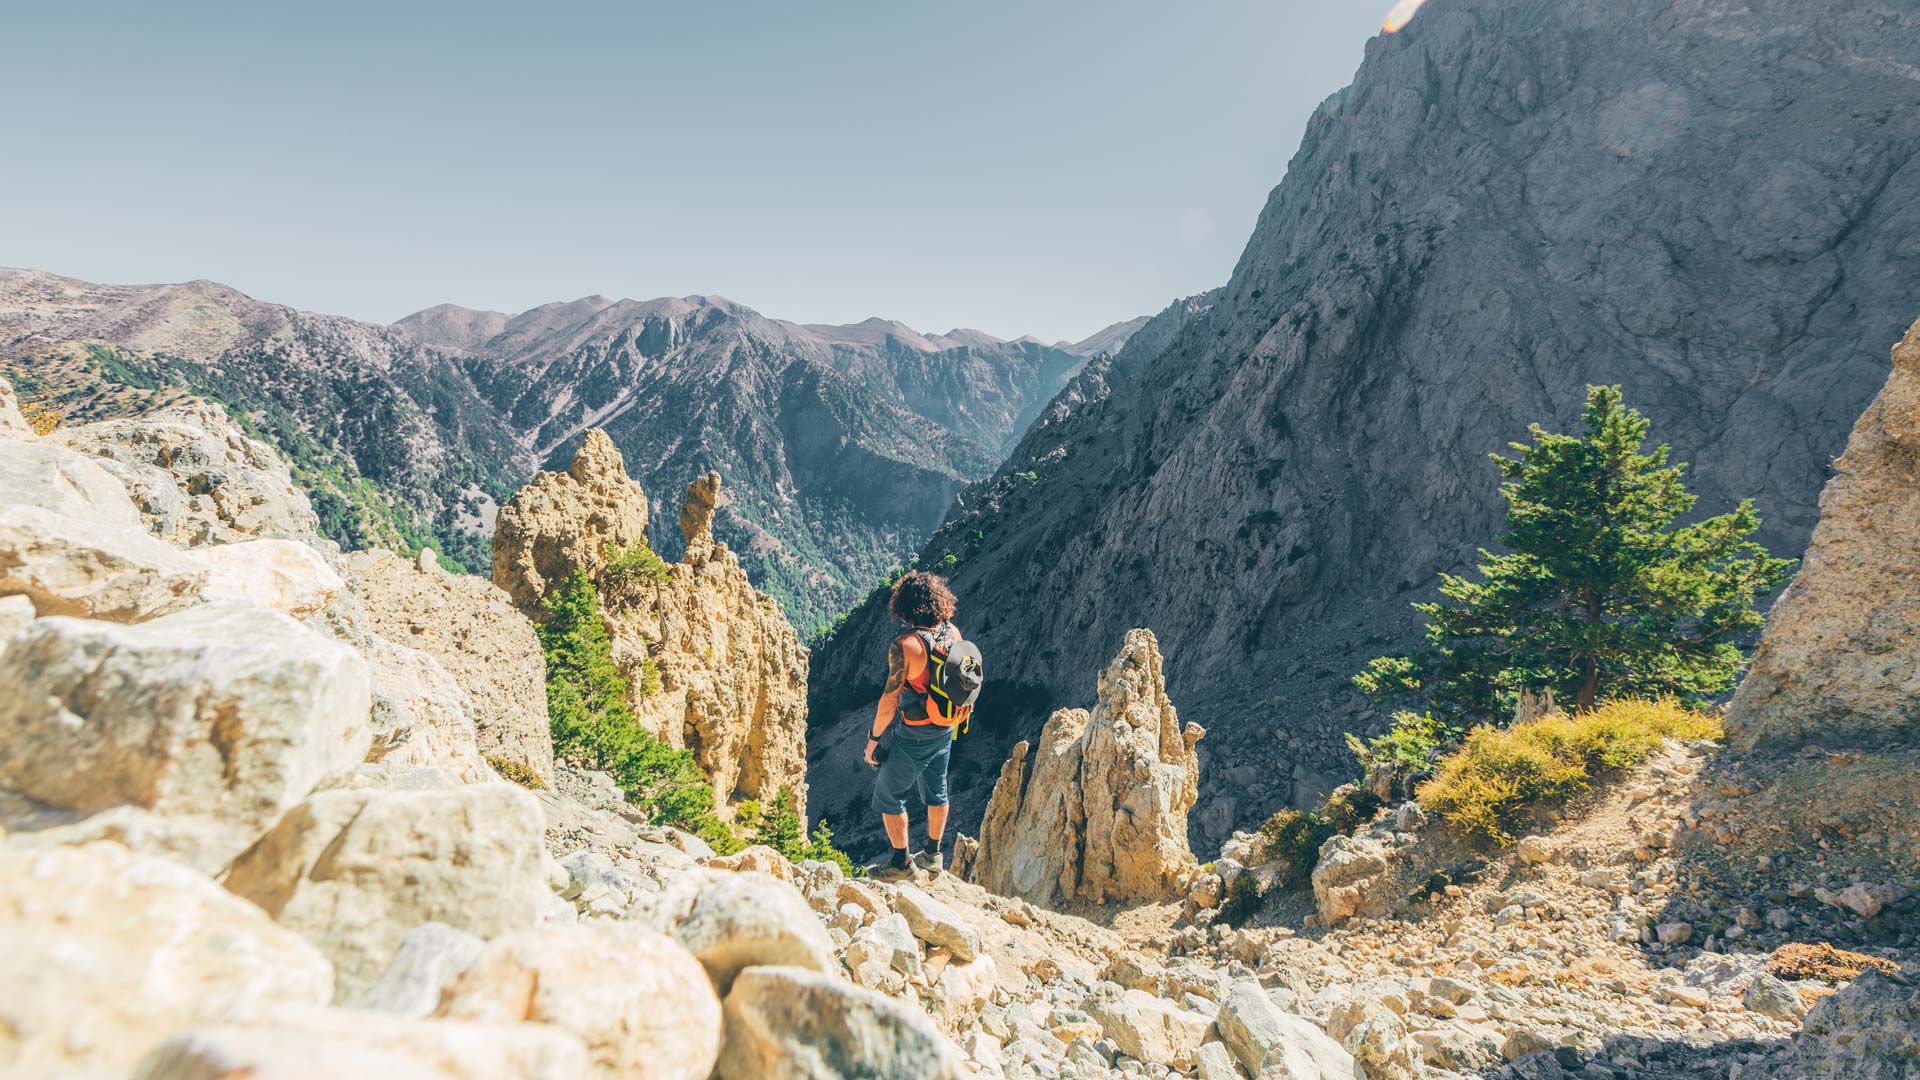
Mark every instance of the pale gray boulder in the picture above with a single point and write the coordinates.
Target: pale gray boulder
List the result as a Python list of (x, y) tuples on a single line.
[(354, 870)]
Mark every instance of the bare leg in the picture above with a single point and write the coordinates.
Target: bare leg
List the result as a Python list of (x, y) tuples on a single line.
[(897, 827), (936, 823)]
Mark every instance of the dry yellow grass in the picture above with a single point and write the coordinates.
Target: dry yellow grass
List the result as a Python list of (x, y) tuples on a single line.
[(42, 419), (1500, 773), (1799, 960)]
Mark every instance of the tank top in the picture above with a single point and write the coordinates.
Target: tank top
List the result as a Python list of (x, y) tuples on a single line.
[(913, 696)]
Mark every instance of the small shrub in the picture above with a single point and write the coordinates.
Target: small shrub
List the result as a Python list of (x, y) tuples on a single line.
[(629, 571), (778, 826), (1407, 750), (1243, 901), (516, 772), (1294, 837), (1485, 788), (1348, 807), (1434, 885)]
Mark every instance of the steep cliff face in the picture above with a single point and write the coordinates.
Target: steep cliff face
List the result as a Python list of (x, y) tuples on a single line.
[(1100, 814), (1715, 205), (1840, 662), (732, 672)]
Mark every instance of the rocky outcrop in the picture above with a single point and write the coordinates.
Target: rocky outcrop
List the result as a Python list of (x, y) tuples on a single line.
[(563, 523), (219, 710), (1870, 1030), (197, 478), (1101, 813), (484, 644), (732, 673), (1839, 664)]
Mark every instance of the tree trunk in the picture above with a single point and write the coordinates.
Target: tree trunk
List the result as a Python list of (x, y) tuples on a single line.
[(1589, 685)]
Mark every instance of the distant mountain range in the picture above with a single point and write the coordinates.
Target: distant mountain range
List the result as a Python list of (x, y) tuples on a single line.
[(842, 446)]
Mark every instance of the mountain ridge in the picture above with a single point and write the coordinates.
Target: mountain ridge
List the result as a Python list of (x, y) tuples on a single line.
[(449, 407)]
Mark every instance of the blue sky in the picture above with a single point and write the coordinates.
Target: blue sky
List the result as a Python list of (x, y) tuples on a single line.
[(1040, 167)]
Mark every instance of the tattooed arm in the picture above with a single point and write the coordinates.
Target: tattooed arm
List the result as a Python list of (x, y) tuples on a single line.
[(889, 705)]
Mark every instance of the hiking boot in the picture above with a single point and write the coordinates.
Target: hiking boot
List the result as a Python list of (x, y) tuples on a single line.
[(929, 861)]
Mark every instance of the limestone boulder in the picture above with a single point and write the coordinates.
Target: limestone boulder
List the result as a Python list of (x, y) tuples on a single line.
[(336, 1042), (1149, 1028), (1262, 1035), (488, 646), (736, 920), (103, 953), (1102, 813), (429, 958), (733, 674), (935, 923), (1383, 1049), (638, 1000), (1353, 879), (786, 1023), (354, 871), (280, 575), (67, 484), (562, 523), (225, 711), (91, 569), (196, 478), (421, 714), (206, 842), (1839, 664)]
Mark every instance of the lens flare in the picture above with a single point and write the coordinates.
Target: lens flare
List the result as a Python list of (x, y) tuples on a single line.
[(1402, 14)]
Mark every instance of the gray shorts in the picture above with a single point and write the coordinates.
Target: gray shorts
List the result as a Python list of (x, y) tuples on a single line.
[(917, 757)]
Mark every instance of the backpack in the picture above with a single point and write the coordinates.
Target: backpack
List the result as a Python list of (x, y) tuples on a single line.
[(954, 678)]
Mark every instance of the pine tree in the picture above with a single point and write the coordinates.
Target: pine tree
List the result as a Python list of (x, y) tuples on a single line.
[(593, 725), (1600, 594)]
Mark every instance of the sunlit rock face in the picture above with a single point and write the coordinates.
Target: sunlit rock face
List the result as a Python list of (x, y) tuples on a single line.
[(1716, 206), (1401, 14)]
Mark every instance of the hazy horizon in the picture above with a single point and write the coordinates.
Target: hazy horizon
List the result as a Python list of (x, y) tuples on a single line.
[(1019, 172)]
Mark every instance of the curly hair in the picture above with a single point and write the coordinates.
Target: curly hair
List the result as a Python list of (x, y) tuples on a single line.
[(921, 599)]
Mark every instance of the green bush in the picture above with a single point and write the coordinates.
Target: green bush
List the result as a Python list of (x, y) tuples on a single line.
[(1243, 901), (1294, 837), (1348, 807), (1485, 790), (629, 571), (593, 726), (779, 827)]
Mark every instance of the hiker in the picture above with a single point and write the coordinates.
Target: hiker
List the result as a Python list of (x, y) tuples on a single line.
[(932, 678)]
